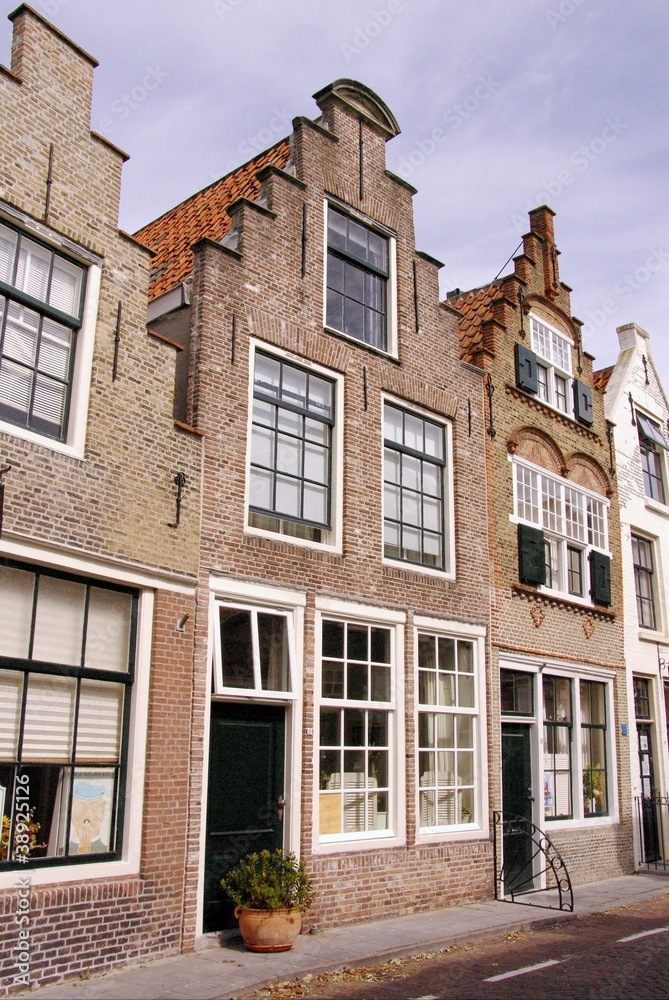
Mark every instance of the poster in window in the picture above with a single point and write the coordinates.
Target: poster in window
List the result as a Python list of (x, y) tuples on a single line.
[(643, 742), (90, 819), (549, 794)]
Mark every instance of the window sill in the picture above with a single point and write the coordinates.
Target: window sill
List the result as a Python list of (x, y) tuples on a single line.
[(579, 824), (554, 599), (651, 635), (303, 543), (656, 507), (451, 834), (69, 873), (390, 355), (346, 846), (410, 567), (49, 443)]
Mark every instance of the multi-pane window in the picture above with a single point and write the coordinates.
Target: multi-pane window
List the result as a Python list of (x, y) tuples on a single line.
[(41, 297), (356, 725), (593, 747), (252, 651), (652, 445), (447, 721), (573, 523), (413, 471), (66, 670), (642, 558), (553, 365), (516, 692), (557, 747), (357, 280), (291, 449)]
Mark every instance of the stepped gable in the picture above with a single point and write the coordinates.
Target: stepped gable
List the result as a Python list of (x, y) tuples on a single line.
[(172, 235)]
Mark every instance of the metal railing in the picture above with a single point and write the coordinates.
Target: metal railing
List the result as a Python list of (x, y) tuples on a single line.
[(652, 817), (524, 857)]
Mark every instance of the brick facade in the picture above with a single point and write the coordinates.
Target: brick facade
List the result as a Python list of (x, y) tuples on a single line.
[(535, 628), (97, 504)]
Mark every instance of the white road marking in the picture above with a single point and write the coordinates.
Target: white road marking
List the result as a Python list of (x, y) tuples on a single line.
[(521, 972), (635, 937)]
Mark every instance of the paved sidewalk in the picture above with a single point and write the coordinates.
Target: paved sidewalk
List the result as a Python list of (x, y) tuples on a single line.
[(223, 972)]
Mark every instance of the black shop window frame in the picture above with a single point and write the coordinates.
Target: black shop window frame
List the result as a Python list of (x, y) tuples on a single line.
[(27, 666)]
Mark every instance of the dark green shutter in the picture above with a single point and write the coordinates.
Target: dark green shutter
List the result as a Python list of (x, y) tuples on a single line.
[(600, 578), (583, 402), (526, 369), (531, 555)]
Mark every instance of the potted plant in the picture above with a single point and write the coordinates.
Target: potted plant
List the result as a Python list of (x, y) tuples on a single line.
[(270, 891)]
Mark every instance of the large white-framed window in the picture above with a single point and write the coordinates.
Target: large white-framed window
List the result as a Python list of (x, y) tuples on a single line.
[(645, 581), (566, 549), (452, 761), (417, 489), (360, 292), (48, 308), (554, 367), (570, 710), (653, 448), (295, 448), (359, 726)]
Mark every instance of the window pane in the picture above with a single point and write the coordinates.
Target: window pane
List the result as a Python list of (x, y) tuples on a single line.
[(357, 642), (260, 489), (32, 273), (392, 424), (262, 447), (273, 652), (330, 727), (21, 332), (380, 652), (16, 602), (354, 730), (294, 385), (49, 718), (357, 682), (315, 503), (236, 648), (288, 455), (333, 639), (92, 809), (333, 679), (266, 375), (7, 253), (59, 623), (287, 497), (108, 629), (99, 721), (65, 290), (11, 692)]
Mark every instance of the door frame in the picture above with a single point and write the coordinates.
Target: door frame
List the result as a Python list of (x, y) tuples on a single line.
[(264, 598)]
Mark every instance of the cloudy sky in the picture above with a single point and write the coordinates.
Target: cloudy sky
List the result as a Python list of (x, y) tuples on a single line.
[(503, 105)]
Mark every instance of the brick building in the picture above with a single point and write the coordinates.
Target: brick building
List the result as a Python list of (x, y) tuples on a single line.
[(637, 406), (340, 663), (96, 581), (559, 754)]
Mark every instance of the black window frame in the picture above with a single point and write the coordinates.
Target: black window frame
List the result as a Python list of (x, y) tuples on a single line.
[(270, 518), (353, 264), (651, 444), (424, 458), (644, 571), (13, 295), (552, 726), (28, 666), (593, 776)]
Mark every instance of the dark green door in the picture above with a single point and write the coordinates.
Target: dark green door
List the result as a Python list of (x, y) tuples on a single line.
[(246, 753), (517, 803)]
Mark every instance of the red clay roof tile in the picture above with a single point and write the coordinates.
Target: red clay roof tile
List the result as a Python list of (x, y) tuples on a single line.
[(600, 379), (202, 215), (476, 308)]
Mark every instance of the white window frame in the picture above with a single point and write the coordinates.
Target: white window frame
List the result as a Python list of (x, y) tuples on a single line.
[(79, 397), (257, 693), (391, 287), (238, 593), (548, 360), (345, 611), (479, 827), (136, 757), (645, 631), (558, 540), (333, 537), (448, 572)]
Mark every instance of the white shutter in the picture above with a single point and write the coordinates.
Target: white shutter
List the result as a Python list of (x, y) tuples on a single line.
[(99, 721), (49, 719), (65, 290), (108, 630), (11, 689), (59, 623), (16, 601)]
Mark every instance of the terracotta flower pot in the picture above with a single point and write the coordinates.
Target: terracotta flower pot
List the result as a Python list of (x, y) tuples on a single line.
[(269, 930)]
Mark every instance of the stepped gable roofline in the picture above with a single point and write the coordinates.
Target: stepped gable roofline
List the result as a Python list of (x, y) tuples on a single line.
[(26, 8), (204, 215), (363, 101)]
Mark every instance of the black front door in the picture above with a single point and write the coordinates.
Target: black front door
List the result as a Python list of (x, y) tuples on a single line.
[(649, 827), (516, 807), (246, 754)]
